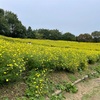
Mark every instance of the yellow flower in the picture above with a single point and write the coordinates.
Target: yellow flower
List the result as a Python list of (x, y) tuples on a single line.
[(20, 70), (34, 82), (41, 80), (15, 64), (33, 78), (35, 91), (36, 86), (16, 74), (11, 65), (5, 72), (13, 60), (7, 80)]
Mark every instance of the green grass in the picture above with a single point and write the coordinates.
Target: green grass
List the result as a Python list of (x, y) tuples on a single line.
[(92, 95)]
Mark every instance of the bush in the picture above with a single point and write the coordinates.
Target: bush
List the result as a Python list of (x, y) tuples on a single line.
[(36, 82), (10, 68), (68, 87)]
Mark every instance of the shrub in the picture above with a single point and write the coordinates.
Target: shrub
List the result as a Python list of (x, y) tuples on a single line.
[(36, 82), (10, 68)]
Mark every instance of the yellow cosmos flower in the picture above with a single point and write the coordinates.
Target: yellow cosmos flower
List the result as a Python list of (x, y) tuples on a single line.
[(5, 72), (7, 80)]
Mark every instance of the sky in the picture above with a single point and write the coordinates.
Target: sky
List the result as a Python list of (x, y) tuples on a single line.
[(75, 16)]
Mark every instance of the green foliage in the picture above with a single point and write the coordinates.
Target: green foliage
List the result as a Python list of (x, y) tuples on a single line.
[(55, 34), (4, 27), (57, 97), (84, 37), (72, 77), (97, 69), (17, 55), (92, 59), (96, 36), (37, 86), (11, 69), (56, 60), (68, 36), (44, 33), (1, 12), (30, 33), (61, 87), (16, 27), (68, 87), (48, 34), (10, 25)]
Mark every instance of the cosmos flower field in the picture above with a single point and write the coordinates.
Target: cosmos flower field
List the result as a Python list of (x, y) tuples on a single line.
[(19, 55)]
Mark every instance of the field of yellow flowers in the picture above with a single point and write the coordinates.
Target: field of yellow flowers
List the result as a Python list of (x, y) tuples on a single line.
[(19, 55)]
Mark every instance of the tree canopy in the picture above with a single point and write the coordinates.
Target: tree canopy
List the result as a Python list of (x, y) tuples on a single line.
[(11, 26), (84, 37), (69, 36), (96, 36)]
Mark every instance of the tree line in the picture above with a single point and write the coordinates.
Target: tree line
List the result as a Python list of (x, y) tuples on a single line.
[(11, 26)]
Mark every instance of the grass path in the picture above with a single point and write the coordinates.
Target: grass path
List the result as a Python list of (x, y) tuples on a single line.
[(87, 90), (93, 95)]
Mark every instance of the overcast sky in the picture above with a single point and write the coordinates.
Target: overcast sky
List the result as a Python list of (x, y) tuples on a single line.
[(75, 16)]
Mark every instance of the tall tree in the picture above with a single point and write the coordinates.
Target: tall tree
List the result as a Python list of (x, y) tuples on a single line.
[(30, 33), (44, 33), (19, 30), (68, 36), (55, 34), (1, 12), (10, 25), (15, 26), (84, 37), (96, 36), (12, 20), (4, 27)]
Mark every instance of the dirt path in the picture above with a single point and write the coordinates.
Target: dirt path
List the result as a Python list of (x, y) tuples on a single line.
[(86, 88), (12, 91)]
